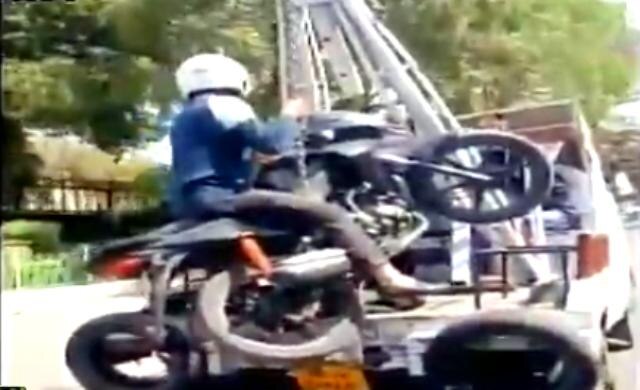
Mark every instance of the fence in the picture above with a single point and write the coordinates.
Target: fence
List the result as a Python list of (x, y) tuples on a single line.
[(66, 196), (21, 268)]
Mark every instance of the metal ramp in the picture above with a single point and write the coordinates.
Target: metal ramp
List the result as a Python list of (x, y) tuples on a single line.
[(340, 49), (336, 50)]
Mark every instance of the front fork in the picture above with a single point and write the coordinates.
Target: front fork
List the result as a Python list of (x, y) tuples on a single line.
[(159, 275)]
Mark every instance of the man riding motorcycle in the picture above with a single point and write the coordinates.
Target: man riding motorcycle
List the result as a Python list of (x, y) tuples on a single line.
[(214, 139)]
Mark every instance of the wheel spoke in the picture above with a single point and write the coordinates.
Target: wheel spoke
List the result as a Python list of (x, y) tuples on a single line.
[(478, 198), (455, 164), (514, 190), (454, 186), (511, 164)]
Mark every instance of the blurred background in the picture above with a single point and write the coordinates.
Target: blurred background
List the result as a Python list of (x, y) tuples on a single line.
[(88, 96)]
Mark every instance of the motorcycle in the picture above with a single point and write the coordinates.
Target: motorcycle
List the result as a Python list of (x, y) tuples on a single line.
[(310, 305)]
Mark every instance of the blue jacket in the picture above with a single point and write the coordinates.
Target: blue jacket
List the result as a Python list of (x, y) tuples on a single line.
[(212, 140)]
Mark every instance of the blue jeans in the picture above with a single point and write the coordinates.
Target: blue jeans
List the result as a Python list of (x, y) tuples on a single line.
[(283, 210)]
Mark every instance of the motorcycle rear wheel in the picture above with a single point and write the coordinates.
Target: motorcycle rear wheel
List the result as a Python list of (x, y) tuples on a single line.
[(337, 336), (520, 200)]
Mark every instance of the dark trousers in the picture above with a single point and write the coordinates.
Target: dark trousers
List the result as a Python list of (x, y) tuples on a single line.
[(288, 210)]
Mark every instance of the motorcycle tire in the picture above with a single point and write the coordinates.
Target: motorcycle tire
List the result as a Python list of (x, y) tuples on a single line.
[(444, 355), (541, 178), (334, 337), (92, 371)]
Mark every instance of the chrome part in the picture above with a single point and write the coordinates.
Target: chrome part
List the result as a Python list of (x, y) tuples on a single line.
[(422, 227), (341, 338), (359, 213), (315, 265)]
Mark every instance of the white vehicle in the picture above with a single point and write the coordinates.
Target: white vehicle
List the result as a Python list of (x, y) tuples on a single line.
[(586, 244), (599, 275)]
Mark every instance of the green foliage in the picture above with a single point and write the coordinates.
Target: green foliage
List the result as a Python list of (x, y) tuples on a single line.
[(47, 270), (43, 236), (43, 273), (169, 31), (152, 184), (493, 53), (90, 65), (64, 67)]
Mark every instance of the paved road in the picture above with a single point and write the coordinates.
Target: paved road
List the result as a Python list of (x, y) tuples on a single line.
[(35, 328)]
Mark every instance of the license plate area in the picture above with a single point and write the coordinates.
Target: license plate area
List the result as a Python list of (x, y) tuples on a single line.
[(330, 376)]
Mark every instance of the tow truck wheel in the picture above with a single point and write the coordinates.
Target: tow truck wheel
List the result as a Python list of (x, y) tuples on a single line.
[(620, 337), (521, 349)]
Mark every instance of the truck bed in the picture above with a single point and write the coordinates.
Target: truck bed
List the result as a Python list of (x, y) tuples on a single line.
[(427, 320)]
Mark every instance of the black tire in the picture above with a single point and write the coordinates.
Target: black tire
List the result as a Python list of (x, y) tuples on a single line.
[(333, 336), (91, 370), (447, 360), (541, 178), (620, 336)]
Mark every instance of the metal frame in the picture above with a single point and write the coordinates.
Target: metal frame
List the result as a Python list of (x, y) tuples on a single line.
[(385, 65), (505, 254)]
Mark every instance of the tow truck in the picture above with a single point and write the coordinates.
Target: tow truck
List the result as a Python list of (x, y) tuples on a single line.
[(569, 261), (330, 50)]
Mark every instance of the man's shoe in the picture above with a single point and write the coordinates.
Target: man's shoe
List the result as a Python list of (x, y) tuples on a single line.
[(394, 283), (403, 303)]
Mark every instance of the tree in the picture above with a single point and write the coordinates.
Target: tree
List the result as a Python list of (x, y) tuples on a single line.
[(65, 67), (169, 31), (19, 165), (92, 65), (493, 53), (153, 184)]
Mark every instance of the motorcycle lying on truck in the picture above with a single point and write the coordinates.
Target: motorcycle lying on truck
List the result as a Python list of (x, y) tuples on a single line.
[(310, 305)]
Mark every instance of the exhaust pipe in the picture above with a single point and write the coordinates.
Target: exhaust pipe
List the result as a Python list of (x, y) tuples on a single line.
[(342, 336), (312, 267)]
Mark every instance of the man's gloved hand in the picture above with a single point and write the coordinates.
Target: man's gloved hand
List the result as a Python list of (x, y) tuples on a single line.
[(295, 108), (265, 159)]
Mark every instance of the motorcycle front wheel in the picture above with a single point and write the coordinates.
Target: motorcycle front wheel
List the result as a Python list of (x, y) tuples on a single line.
[(112, 352), (482, 177)]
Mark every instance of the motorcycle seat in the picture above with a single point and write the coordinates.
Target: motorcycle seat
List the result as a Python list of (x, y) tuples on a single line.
[(178, 235), (223, 229), (138, 241)]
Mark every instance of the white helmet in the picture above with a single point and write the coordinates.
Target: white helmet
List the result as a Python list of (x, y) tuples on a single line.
[(208, 71)]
